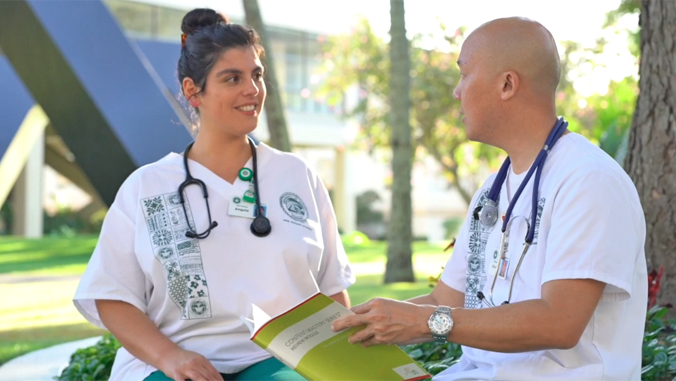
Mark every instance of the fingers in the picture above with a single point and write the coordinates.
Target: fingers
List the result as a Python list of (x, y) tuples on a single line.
[(194, 367), (349, 322), (361, 336), (370, 341), (362, 308), (205, 371), (360, 317)]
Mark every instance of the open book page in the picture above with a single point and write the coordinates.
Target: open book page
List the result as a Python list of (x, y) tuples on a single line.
[(259, 319), (301, 337)]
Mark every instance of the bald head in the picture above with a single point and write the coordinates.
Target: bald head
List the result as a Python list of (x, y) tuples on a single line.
[(523, 46)]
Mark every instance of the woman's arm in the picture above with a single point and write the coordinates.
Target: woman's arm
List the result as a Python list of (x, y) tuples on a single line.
[(342, 298), (139, 335)]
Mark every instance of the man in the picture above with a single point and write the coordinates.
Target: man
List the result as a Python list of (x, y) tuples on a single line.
[(575, 290)]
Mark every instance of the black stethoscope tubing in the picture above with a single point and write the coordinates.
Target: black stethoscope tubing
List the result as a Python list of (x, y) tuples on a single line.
[(488, 213), (260, 227)]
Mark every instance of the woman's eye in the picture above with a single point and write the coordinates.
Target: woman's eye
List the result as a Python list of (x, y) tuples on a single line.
[(258, 76), (232, 79)]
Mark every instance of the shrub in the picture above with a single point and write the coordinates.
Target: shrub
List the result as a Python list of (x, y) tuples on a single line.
[(356, 238), (92, 363), (659, 346), (434, 357)]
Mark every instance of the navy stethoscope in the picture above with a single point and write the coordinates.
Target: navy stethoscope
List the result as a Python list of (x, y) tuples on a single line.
[(487, 214), (260, 227)]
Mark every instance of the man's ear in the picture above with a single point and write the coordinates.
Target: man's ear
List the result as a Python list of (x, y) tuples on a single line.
[(510, 85), (190, 91)]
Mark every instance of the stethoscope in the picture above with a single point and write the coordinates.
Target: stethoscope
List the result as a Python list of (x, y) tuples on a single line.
[(487, 214), (260, 227)]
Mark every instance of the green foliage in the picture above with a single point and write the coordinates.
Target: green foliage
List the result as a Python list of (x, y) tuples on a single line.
[(361, 59), (91, 363), (612, 115), (434, 357), (627, 7), (365, 212), (68, 223), (659, 346), (6, 217), (356, 238), (451, 226)]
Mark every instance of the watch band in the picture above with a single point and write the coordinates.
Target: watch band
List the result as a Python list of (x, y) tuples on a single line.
[(443, 337)]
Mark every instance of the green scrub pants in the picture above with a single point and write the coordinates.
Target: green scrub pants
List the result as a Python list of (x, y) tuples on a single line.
[(267, 370)]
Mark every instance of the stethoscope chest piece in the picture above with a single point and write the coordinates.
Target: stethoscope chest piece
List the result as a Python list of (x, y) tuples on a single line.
[(260, 227), (488, 214)]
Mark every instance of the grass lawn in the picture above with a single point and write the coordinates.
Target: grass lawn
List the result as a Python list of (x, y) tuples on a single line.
[(39, 277)]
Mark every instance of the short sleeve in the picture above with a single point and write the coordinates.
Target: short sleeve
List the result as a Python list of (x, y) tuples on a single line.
[(113, 272), (455, 271), (597, 231), (335, 274)]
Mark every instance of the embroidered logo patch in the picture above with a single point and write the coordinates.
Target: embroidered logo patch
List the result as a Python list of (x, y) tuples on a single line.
[(293, 206)]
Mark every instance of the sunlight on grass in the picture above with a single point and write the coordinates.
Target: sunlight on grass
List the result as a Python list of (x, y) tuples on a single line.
[(45, 256), (19, 341), (370, 286), (46, 304)]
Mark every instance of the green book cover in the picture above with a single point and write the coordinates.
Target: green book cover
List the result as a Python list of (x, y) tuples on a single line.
[(302, 339)]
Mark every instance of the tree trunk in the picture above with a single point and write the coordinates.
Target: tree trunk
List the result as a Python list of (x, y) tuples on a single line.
[(652, 140), (274, 109), (399, 266)]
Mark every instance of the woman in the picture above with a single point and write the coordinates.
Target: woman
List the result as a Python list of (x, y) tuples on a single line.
[(175, 272)]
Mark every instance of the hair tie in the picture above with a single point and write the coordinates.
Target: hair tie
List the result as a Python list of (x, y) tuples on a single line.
[(184, 37)]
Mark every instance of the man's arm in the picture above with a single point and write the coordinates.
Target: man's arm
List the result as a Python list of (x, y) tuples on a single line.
[(557, 320), (442, 295)]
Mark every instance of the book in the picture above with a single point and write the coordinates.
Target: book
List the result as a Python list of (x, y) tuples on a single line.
[(301, 338)]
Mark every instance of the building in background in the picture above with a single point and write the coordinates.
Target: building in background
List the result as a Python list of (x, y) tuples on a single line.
[(317, 131)]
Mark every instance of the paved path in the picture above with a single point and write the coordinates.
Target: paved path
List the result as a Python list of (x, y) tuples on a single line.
[(10, 279), (43, 364)]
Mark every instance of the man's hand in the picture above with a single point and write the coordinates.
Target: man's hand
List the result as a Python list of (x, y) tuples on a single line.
[(387, 321), (181, 365)]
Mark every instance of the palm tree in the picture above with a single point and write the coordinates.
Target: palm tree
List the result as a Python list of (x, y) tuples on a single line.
[(399, 236), (651, 153), (274, 109)]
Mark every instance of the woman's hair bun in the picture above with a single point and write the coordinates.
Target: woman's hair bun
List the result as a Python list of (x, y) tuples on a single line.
[(200, 18)]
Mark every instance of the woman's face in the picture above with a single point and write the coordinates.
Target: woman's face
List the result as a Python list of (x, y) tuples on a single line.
[(235, 92)]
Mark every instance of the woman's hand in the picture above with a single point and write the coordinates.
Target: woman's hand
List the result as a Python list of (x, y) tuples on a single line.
[(141, 337), (180, 365)]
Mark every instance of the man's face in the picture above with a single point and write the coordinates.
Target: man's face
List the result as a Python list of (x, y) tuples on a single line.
[(476, 89)]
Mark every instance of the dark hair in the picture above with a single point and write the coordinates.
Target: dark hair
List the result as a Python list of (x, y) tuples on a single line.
[(207, 34)]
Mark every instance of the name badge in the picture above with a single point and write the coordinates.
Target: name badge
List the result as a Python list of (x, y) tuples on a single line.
[(494, 265), (239, 208), (504, 265)]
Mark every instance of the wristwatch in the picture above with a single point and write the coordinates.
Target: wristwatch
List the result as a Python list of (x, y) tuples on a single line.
[(441, 323)]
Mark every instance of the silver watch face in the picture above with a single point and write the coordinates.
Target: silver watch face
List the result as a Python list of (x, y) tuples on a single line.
[(440, 323)]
